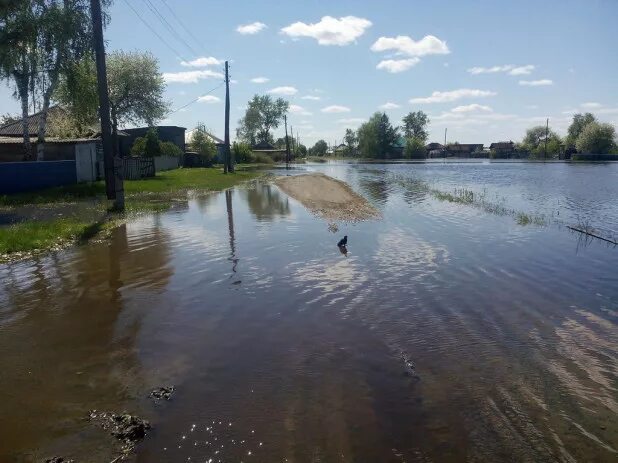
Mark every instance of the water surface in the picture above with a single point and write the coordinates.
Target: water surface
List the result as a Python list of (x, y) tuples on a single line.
[(446, 334)]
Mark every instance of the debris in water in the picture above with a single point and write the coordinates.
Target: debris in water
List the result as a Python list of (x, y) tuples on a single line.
[(127, 428), (162, 393), (58, 460), (409, 365)]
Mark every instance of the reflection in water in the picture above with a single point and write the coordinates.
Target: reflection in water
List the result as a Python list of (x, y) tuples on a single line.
[(444, 336), (266, 202)]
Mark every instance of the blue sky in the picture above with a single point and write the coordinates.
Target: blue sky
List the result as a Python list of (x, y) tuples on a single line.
[(485, 69)]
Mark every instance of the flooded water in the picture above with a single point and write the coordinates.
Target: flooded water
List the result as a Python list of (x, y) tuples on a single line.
[(446, 334)]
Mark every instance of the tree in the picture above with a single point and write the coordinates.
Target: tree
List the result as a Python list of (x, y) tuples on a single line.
[(377, 137), (534, 142), (596, 138), (415, 148), (135, 90), (415, 125), (202, 143), (8, 118), (577, 126), (39, 40), (263, 114), (351, 140), (152, 148), (320, 148)]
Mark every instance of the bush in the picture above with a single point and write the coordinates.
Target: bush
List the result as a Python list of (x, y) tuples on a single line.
[(415, 149), (242, 153), (202, 144), (263, 158), (596, 138), (170, 149), (139, 147), (152, 145)]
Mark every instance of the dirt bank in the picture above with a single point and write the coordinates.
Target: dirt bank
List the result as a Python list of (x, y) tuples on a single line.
[(327, 197)]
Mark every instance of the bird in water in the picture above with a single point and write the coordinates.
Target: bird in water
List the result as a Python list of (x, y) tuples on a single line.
[(343, 241)]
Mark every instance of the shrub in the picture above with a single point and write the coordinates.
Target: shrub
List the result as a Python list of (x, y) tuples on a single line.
[(201, 142), (152, 146), (263, 158), (242, 153), (139, 147), (415, 148), (170, 149), (596, 138)]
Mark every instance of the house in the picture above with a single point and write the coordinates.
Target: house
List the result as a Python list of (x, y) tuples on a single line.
[(464, 150), (170, 133), (15, 130), (341, 148), (435, 150), (502, 149)]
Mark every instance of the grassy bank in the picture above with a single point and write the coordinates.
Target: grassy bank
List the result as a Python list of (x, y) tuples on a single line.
[(149, 195)]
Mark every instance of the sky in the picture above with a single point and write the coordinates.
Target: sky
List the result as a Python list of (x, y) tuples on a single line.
[(487, 70)]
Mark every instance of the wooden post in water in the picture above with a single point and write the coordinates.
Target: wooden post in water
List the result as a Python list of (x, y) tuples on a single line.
[(228, 164)]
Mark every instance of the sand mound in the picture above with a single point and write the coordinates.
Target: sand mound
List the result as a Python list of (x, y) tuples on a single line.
[(327, 197)]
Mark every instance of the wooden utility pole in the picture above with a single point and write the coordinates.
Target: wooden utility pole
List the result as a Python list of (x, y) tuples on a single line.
[(287, 142), (445, 129), (546, 134), (228, 164), (112, 166)]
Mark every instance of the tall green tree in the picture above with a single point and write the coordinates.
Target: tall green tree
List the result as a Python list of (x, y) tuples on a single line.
[(580, 121), (534, 142), (351, 141), (415, 125), (135, 87), (39, 39), (262, 115), (320, 148), (202, 142), (377, 137), (596, 138)]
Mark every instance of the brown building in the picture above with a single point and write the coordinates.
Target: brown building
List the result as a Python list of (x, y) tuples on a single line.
[(464, 149)]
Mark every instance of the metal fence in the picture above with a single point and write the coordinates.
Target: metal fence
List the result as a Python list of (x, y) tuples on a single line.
[(135, 168)]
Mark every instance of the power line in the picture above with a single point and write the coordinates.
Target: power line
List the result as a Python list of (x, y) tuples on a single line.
[(167, 25), (154, 31), (182, 24), (193, 101)]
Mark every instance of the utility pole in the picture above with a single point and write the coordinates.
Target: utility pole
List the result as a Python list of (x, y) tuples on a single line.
[(287, 142), (292, 139), (114, 188), (445, 129), (546, 134), (228, 164)]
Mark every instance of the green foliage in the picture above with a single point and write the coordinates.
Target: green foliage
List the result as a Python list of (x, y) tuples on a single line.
[(136, 88), (202, 143), (596, 138), (377, 138), (263, 158), (577, 126), (8, 118), (242, 153), (301, 150), (415, 126), (415, 148), (351, 141), (170, 149), (263, 114), (139, 147), (320, 148), (77, 91), (534, 142), (151, 147)]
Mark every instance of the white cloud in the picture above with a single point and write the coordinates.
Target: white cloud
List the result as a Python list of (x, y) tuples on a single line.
[(532, 106), (191, 77), (311, 97), (209, 99), (536, 83), (351, 121), (453, 95), (330, 31), (260, 80), (389, 105), (397, 65), (507, 68), (296, 109), (202, 62), (285, 90), (336, 109), (591, 105), (405, 45), (608, 111), (474, 107), (250, 29)]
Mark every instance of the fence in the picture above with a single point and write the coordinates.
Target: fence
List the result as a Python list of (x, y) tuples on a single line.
[(16, 177), (166, 163), (137, 168)]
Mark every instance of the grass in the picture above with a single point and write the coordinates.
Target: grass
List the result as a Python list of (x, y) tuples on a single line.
[(148, 195)]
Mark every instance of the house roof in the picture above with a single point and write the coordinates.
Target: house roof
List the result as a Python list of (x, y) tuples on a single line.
[(263, 145), (14, 129), (33, 140), (502, 144)]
